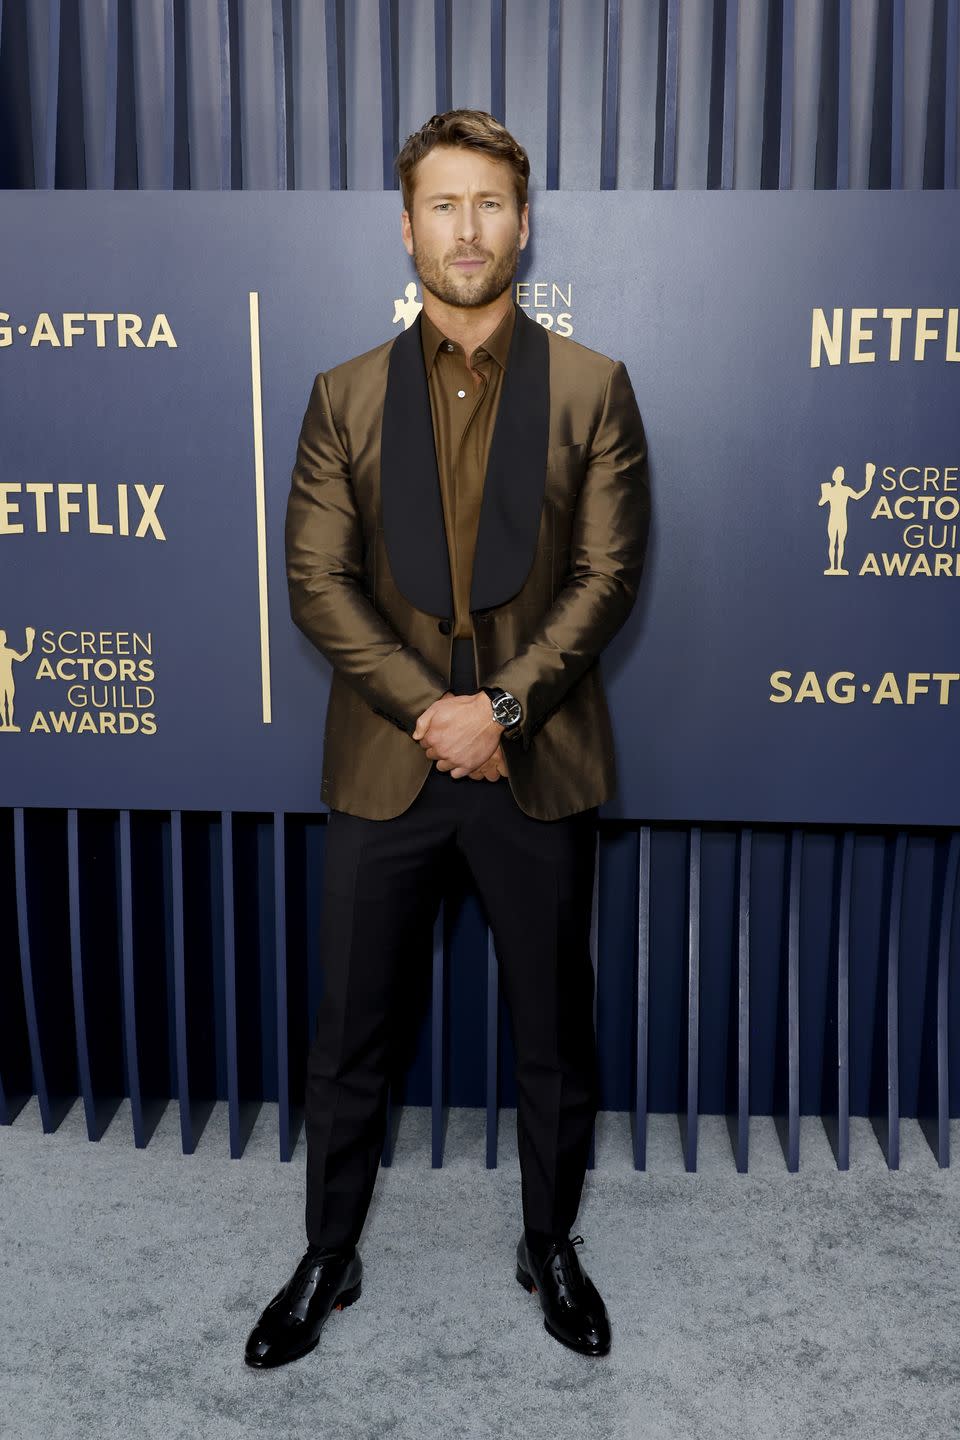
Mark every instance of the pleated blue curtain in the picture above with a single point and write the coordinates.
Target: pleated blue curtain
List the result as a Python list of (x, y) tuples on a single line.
[(318, 94)]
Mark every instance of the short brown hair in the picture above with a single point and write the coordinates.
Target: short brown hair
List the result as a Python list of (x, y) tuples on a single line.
[(473, 130)]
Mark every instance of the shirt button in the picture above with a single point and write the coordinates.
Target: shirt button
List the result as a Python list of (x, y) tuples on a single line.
[(461, 393), (449, 344)]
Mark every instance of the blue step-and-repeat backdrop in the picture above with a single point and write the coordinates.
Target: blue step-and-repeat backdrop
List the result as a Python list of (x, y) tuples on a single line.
[(794, 654)]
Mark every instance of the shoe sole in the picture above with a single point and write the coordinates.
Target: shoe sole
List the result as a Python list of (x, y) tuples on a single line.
[(345, 1298), (526, 1280)]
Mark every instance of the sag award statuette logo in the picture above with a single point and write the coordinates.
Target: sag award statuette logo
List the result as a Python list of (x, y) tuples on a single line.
[(7, 657), (911, 528), (836, 494), (408, 308)]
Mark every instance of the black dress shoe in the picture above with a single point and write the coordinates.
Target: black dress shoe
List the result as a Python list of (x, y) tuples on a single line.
[(573, 1311), (290, 1326)]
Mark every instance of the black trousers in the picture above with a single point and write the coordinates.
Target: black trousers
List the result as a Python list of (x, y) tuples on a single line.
[(383, 884)]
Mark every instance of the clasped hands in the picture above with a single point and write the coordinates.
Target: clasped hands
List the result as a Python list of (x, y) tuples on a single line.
[(460, 735)]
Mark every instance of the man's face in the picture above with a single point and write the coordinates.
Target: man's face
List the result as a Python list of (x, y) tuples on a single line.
[(464, 209)]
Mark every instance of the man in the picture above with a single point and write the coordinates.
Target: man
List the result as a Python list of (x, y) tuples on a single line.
[(469, 504)]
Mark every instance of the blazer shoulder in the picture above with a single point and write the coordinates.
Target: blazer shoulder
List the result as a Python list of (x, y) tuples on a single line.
[(359, 373), (571, 357)]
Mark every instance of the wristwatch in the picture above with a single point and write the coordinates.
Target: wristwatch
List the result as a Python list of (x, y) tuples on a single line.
[(507, 710)]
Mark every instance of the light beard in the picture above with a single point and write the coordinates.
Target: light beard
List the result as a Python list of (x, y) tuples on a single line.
[(473, 290)]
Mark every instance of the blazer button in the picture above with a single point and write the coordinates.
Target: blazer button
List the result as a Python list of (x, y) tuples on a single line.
[(444, 626)]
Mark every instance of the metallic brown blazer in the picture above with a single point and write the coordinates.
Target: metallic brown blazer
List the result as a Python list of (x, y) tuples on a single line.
[(560, 546)]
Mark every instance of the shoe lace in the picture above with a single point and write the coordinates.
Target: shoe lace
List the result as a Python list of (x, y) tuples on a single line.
[(564, 1253)]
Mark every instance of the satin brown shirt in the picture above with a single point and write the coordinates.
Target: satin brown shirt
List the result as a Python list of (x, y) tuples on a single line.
[(464, 411)]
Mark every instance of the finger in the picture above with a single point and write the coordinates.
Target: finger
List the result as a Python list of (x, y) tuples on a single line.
[(423, 724)]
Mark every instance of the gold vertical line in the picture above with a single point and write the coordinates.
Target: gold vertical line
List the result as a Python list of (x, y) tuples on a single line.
[(261, 504)]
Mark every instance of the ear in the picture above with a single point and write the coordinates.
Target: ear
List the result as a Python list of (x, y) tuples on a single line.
[(406, 232), (524, 226)]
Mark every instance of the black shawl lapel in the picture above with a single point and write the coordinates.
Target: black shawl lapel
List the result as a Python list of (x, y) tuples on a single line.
[(516, 471), (410, 500), (411, 505)]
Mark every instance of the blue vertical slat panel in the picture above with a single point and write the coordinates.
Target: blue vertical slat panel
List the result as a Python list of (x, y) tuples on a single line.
[(438, 1040), (283, 92), (492, 1052), (226, 97), (169, 96), (48, 177), (231, 146), (553, 96), (643, 999), (575, 94), (199, 58), (699, 97), (952, 47), (729, 141), (609, 145), (804, 122), (140, 1136), (95, 962), (897, 98), (789, 1124), (52, 1109), (937, 1127), (16, 1084), (442, 55), (188, 1138), (70, 167), (839, 1132), (336, 94), (739, 1122), (287, 1135), (86, 36), (20, 164), (128, 169), (187, 1132), (76, 968), (923, 97), (111, 91), (389, 80), (844, 58), (147, 1026), (787, 84), (196, 896), (690, 1116), (887, 1121), (230, 987), (498, 60), (671, 77), (308, 99)]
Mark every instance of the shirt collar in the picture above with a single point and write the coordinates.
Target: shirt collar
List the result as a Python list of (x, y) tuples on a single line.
[(497, 345)]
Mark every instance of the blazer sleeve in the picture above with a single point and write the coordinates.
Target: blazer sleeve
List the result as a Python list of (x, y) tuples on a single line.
[(607, 547), (325, 578)]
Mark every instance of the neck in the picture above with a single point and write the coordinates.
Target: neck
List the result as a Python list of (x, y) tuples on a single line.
[(468, 325)]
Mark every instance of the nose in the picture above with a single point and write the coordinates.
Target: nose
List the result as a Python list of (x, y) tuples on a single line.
[(466, 224)]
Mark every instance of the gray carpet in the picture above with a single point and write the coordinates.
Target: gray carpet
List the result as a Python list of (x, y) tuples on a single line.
[(769, 1305)]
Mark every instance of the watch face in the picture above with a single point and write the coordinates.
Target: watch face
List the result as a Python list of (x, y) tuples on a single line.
[(507, 710)]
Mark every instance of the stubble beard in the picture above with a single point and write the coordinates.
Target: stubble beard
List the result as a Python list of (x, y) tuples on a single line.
[(471, 289)]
